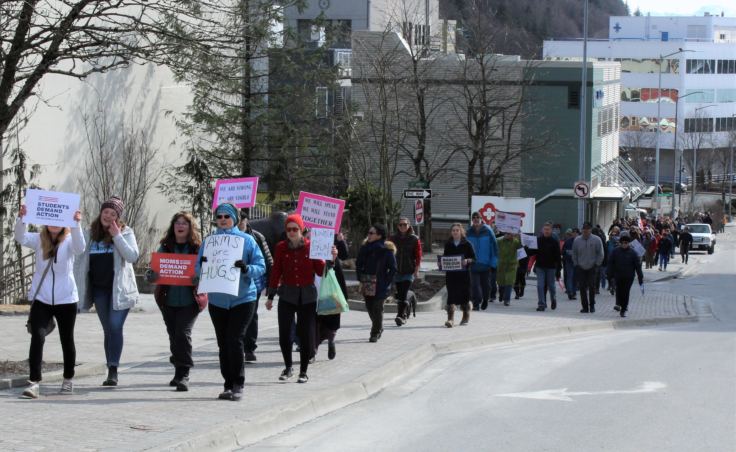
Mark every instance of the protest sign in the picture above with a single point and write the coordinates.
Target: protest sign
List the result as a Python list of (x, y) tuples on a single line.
[(51, 208), (173, 269), (508, 222), (529, 241), (451, 263), (218, 273), (638, 248), (487, 206), (320, 243), (241, 192), (520, 254), (319, 211)]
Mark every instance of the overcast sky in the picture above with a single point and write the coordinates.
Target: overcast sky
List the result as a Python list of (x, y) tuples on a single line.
[(683, 7)]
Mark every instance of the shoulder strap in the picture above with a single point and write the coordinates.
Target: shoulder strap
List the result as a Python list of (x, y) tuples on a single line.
[(45, 272)]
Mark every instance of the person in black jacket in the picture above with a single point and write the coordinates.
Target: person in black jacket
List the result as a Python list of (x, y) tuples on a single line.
[(548, 266), (375, 268), (327, 325), (685, 240), (665, 249), (458, 282), (622, 264)]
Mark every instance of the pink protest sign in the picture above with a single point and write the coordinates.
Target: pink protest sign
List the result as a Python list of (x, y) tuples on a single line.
[(241, 192), (319, 211)]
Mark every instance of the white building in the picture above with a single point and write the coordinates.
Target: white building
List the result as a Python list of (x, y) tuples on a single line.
[(698, 78)]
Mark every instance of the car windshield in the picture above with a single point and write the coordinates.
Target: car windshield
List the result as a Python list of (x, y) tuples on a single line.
[(698, 228)]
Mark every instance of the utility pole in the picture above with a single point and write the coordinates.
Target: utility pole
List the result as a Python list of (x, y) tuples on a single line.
[(583, 113)]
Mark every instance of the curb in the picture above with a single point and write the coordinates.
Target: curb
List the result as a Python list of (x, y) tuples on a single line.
[(82, 370), (280, 419)]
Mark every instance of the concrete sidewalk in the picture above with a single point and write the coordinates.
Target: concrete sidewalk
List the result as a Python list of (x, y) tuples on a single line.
[(144, 413)]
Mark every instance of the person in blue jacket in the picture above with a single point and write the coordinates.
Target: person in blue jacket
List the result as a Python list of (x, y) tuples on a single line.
[(231, 314), (484, 243)]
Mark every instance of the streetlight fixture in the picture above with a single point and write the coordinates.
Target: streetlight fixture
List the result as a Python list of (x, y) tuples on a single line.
[(659, 126), (674, 156), (695, 164)]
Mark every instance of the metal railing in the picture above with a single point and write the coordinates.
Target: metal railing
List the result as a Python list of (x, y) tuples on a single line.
[(17, 279)]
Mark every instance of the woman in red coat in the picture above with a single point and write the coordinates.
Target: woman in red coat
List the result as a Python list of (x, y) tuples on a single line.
[(292, 278)]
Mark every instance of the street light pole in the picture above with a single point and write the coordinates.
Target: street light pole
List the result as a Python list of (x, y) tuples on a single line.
[(583, 114), (695, 162), (674, 158)]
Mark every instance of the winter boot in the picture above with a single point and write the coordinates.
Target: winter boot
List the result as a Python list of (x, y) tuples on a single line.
[(466, 314), (450, 316), (112, 377), (400, 315)]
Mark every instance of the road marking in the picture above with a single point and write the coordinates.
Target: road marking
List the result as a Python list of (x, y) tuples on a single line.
[(566, 396)]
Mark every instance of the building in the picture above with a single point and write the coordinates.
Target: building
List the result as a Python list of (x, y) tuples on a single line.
[(533, 151), (698, 88)]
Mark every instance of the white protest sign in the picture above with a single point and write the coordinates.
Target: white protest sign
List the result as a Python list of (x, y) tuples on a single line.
[(451, 263), (508, 222), (638, 248), (489, 205), (218, 273), (320, 243), (51, 208), (319, 211), (520, 254), (241, 192), (529, 241)]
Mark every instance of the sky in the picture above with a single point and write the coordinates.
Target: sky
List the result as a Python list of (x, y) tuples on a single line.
[(683, 7)]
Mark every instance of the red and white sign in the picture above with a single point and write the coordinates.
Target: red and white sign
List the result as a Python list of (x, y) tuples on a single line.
[(419, 211), (319, 211), (488, 206), (173, 269), (241, 192)]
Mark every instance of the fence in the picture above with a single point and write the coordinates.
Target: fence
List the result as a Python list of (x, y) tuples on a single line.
[(17, 279)]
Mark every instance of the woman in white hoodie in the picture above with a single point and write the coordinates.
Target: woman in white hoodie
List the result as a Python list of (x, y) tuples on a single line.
[(53, 294)]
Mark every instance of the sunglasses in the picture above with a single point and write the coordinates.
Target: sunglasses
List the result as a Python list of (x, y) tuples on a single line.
[(403, 224), (182, 223), (221, 217), (292, 229)]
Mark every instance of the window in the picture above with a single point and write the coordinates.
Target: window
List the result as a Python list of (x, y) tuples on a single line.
[(648, 95), (725, 95), (700, 96), (700, 66), (321, 102), (573, 97), (726, 66), (725, 124), (607, 120), (693, 125)]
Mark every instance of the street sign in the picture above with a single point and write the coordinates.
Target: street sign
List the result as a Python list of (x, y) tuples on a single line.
[(418, 194), (419, 211), (418, 184), (581, 189)]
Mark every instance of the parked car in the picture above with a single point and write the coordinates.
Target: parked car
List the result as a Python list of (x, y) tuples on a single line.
[(703, 237)]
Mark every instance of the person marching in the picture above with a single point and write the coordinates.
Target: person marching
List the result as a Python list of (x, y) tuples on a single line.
[(521, 271), (548, 267), (686, 239), (482, 273), (666, 245), (408, 262), (375, 268), (622, 264), (508, 262), (178, 303), (251, 333), (327, 325), (587, 255), (292, 277), (458, 282), (567, 265), (105, 277), (231, 314), (53, 294)]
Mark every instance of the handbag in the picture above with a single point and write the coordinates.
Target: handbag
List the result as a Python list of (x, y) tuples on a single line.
[(52, 323), (331, 300), (368, 285)]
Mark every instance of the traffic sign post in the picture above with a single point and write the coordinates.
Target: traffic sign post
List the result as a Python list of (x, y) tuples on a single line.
[(582, 189), (419, 212), (418, 194)]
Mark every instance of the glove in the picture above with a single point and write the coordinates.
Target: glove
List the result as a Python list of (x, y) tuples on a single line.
[(203, 259), (241, 265), (151, 276)]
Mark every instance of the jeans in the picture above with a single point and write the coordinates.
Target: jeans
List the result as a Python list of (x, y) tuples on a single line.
[(306, 323), (112, 324), (587, 283), (179, 323), (664, 259), (230, 325), (41, 314), (504, 293), (251, 333), (570, 286), (545, 278), (480, 284), (602, 276), (402, 290), (374, 305)]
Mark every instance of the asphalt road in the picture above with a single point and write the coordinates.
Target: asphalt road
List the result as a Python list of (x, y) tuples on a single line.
[(641, 389)]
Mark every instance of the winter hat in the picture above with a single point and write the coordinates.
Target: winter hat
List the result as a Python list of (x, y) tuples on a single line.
[(115, 204), (229, 209), (295, 218), (625, 238)]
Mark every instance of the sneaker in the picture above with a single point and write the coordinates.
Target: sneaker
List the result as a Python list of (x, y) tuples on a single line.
[(506, 303), (540, 308), (554, 305), (183, 384), (250, 357), (584, 311), (617, 308), (331, 352), (400, 321), (237, 394), (66, 386), (592, 309), (32, 391), (112, 377), (312, 360), (516, 297), (623, 313), (484, 305), (227, 394), (373, 339), (174, 382), (303, 378), (286, 374)]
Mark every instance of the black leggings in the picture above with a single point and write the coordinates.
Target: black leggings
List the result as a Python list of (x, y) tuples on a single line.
[(306, 322), (66, 316)]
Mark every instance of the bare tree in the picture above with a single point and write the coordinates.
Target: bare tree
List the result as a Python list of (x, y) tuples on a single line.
[(637, 147)]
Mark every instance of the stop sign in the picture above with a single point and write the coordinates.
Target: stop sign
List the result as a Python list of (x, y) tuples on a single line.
[(419, 211)]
